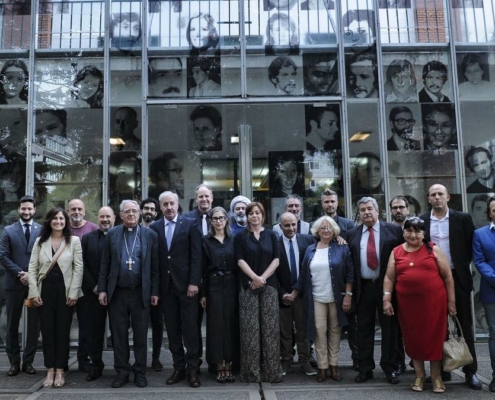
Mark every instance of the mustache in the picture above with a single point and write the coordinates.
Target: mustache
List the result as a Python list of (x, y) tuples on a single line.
[(171, 89)]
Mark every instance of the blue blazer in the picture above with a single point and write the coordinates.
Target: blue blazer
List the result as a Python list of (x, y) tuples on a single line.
[(484, 260)]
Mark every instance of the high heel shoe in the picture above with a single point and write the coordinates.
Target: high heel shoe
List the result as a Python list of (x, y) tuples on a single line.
[(59, 379), (48, 382)]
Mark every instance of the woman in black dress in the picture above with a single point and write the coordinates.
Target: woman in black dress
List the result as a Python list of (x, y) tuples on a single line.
[(219, 296)]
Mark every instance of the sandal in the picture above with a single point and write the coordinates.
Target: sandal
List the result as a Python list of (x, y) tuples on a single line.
[(59, 379), (221, 378), (50, 376), (438, 386), (229, 378), (417, 386)]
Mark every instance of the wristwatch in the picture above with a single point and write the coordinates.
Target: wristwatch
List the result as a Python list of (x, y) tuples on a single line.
[(348, 293)]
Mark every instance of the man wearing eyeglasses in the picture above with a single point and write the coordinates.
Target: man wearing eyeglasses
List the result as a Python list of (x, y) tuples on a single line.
[(399, 210), (402, 124)]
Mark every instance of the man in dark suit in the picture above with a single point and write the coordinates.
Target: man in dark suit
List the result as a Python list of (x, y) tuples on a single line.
[(453, 232), (435, 75), (16, 245), (204, 201), (371, 244), (128, 283), (292, 245), (92, 247), (181, 258)]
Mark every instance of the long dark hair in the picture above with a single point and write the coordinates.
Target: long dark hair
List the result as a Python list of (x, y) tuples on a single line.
[(418, 225), (23, 95), (46, 230), (94, 101)]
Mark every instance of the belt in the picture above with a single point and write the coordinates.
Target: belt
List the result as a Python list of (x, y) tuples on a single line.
[(374, 280), (221, 273), (129, 287)]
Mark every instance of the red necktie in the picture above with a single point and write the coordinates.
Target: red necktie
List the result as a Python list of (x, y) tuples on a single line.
[(371, 256)]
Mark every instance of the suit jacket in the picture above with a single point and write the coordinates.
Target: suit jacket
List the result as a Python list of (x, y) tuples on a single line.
[(183, 262), (304, 228), (70, 263), (15, 253), (424, 97), (390, 237), (198, 217), (413, 144), (283, 270), (484, 260), (344, 224), (461, 230), (90, 244), (111, 263)]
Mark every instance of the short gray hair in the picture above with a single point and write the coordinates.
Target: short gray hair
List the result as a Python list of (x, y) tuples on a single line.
[(168, 193), (316, 226), (124, 202), (363, 200), (292, 196)]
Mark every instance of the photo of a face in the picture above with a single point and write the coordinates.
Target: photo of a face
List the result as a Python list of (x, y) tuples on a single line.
[(204, 132), (403, 124), (49, 124), (434, 82), (166, 173), (439, 128), (201, 32), (362, 79), (282, 73), (287, 80), (13, 81), (358, 28), (88, 87), (370, 174), (286, 173), (481, 165), (167, 78), (206, 124), (320, 78), (127, 28), (474, 74)]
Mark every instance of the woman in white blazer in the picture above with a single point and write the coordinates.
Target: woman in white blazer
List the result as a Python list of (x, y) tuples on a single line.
[(55, 290)]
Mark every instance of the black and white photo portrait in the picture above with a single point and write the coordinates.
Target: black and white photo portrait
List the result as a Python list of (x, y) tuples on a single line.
[(434, 76), (167, 77), (14, 82), (124, 129), (201, 32), (125, 30), (307, 5), (204, 77), (401, 122), (479, 161), (206, 126), (282, 73), (474, 76), (323, 128), (362, 76), (439, 127), (366, 174), (286, 173), (87, 88), (320, 74), (359, 27), (400, 84), (280, 5), (281, 30), (165, 173)]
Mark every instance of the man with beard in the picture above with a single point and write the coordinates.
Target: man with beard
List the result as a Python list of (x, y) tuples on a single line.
[(149, 210), (293, 205), (238, 210), (402, 123), (479, 161), (79, 227), (399, 209), (282, 72), (16, 245), (92, 248)]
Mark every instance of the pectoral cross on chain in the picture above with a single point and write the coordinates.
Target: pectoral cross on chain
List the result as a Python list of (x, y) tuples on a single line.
[(129, 263)]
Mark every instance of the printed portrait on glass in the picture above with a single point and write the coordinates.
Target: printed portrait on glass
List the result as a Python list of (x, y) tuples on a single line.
[(478, 210), (282, 73), (323, 128), (467, 3), (125, 30), (318, 5), (13, 134), (434, 76), (281, 30), (201, 32), (402, 123), (12, 180), (280, 5), (320, 74), (394, 3), (362, 76), (366, 174), (479, 161), (400, 83), (10, 8), (124, 126), (206, 125), (125, 176), (359, 27), (286, 173), (14, 82), (439, 127), (204, 77), (167, 77), (50, 126), (165, 173), (87, 88), (474, 76)]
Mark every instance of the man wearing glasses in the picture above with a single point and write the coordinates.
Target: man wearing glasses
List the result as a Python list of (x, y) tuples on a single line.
[(402, 124), (399, 210)]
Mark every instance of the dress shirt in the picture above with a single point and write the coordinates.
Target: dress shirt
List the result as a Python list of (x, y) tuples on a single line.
[(492, 225), (296, 251), (367, 272), (439, 234), (173, 225), (23, 223)]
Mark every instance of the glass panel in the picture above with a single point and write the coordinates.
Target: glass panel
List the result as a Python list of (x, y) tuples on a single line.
[(473, 20), (15, 24), (14, 78), (125, 25), (474, 71)]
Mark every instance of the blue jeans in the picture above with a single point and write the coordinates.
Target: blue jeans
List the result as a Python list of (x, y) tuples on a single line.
[(490, 319)]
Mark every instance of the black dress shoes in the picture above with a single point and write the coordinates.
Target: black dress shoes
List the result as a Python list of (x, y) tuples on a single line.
[(93, 376), (363, 377), (491, 387), (156, 365), (473, 381), (120, 381), (400, 369), (392, 378), (177, 376), (193, 379), (27, 367), (140, 379), (14, 370)]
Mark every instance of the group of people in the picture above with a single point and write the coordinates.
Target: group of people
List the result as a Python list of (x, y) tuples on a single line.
[(255, 284)]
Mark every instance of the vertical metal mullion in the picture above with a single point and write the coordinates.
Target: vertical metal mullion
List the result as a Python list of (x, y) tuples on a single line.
[(106, 106), (242, 39), (81, 32), (144, 96)]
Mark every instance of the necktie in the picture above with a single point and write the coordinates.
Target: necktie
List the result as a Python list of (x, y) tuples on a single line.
[(204, 225), (27, 233), (293, 265), (170, 233), (371, 256)]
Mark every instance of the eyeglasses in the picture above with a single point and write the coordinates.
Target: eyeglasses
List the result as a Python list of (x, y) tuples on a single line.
[(403, 121), (149, 208), (325, 229), (219, 219), (395, 208), (133, 212)]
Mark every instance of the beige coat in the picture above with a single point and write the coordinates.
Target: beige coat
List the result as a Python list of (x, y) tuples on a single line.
[(70, 263)]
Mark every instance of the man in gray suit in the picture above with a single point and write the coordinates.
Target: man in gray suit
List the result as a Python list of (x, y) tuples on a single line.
[(293, 204), (16, 245), (129, 283)]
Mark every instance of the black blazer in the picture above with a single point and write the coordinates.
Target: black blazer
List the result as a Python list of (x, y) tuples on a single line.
[(390, 237), (183, 262), (110, 263), (461, 231), (283, 270), (90, 244), (425, 97), (198, 217)]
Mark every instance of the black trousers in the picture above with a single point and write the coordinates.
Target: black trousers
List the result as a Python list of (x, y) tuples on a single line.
[(14, 306), (94, 324), (371, 302), (181, 321), (84, 314), (124, 310), (201, 312), (157, 325), (56, 319), (351, 330)]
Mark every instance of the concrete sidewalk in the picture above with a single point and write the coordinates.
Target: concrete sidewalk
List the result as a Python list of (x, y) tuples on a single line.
[(296, 385)]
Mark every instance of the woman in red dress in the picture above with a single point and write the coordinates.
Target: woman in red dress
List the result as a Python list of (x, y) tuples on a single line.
[(425, 293)]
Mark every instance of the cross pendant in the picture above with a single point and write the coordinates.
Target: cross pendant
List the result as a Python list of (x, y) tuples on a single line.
[(129, 263)]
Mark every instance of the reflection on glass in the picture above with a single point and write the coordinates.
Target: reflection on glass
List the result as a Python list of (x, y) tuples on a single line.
[(14, 82), (207, 129), (87, 89), (51, 128), (16, 7), (395, 3), (439, 127), (400, 86), (125, 29), (166, 174), (402, 125), (281, 31), (286, 173), (363, 76), (125, 176), (124, 123), (201, 33), (318, 5), (281, 5), (359, 27), (367, 174), (167, 77), (320, 74), (13, 133), (435, 76), (322, 128), (282, 73), (12, 180), (479, 161)]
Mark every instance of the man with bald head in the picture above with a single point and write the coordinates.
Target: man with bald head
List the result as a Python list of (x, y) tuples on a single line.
[(453, 232), (93, 323), (292, 245)]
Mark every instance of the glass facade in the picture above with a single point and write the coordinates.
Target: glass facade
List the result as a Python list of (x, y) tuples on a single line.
[(110, 100)]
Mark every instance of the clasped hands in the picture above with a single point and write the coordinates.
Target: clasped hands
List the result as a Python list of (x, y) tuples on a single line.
[(289, 298), (258, 282)]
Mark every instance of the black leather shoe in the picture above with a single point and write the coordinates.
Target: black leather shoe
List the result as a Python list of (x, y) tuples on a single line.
[(446, 377), (156, 365), (473, 381), (84, 367), (193, 379), (363, 377), (355, 365), (392, 378), (27, 367), (177, 376), (491, 387), (400, 369), (14, 370), (140, 379), (93, 376), (120, 381)]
